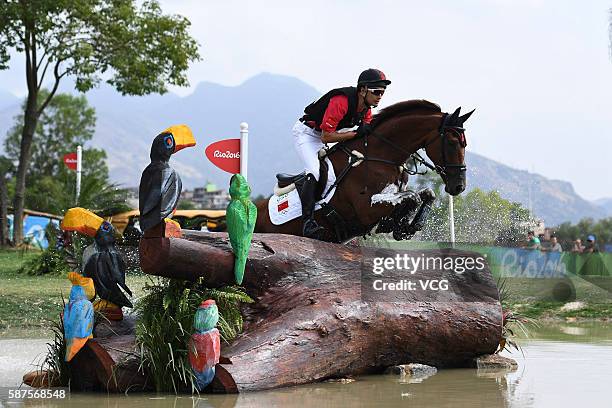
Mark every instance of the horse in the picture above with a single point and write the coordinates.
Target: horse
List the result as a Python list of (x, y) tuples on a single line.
[(379, 161)]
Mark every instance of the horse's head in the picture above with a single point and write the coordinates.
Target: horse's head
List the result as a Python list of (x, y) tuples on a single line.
[(447, 151)]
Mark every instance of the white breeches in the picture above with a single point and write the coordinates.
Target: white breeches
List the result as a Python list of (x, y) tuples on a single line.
[(307, 142)]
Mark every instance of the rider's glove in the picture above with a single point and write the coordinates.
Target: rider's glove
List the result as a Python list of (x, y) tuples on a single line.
[(363, 130)]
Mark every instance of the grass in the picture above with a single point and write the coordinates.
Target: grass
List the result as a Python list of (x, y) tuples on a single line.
[(535, 298), (32, 303)]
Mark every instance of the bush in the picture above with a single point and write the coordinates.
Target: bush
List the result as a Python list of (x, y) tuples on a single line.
[(57, 259), (50, 261)]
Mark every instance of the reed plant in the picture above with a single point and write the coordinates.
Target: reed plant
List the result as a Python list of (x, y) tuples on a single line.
[(54, 363), (511, 320)]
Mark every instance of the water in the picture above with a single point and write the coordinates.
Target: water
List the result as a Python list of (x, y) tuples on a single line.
[(563, 365)]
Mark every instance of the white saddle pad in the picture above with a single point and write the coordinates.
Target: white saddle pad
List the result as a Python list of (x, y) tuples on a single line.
[(288, 206)]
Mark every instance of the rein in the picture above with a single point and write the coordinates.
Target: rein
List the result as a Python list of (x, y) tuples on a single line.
[(415, 156)]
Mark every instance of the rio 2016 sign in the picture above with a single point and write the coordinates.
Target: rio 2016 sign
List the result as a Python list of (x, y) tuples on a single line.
[(225, 154), (70, 160)]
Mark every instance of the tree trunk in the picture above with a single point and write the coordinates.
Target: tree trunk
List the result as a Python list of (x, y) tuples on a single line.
[(29, 126), (4, 236), (316, 316)]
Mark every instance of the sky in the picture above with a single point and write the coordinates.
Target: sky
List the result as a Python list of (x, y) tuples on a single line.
[(538, 72)]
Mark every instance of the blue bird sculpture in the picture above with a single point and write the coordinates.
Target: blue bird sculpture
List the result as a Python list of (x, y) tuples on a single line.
[(78, 319)]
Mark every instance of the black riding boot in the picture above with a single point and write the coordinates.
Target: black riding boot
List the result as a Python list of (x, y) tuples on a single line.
[(307, 196)]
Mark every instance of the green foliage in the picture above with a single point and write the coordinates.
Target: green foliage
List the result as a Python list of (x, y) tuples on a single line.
[(186, 205), (165, 326), (479, 217), (67, 122), (142, 49), (511, 319), (568, 232), (50, 261), (57, 261)]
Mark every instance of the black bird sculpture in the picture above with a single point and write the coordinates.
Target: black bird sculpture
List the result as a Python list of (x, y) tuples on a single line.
[(101, 261), (160, 184)]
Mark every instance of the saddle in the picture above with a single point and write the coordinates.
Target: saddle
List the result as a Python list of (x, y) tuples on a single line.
[(288, 182)]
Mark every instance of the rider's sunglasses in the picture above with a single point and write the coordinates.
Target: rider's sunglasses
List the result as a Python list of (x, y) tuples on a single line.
[(377, 91)]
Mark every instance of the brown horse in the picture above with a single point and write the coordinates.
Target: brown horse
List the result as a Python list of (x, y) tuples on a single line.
[(398, 132)]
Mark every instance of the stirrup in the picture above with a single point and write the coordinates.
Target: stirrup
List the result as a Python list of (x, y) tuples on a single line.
[(311, 229)]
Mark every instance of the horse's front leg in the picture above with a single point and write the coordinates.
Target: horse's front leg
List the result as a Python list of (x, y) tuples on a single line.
[(401, 221), (406, 228), (402, 203)]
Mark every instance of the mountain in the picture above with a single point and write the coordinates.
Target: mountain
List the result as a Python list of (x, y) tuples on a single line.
[(606, 204), (270, 104), (7, 99), (554, 201)]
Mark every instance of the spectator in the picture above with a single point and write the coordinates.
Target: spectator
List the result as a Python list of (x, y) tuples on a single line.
[(590, 246), (533, 242), (577, 248), (555, 246)]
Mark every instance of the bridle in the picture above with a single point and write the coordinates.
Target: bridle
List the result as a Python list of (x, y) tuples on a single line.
[(416, 158), (442, 132)]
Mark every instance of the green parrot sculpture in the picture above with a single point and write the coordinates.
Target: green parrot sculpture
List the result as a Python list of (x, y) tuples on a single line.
[(240, 216)]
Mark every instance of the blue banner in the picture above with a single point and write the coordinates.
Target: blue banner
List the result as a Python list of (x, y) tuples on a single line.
[(527, 263), (33, 229)]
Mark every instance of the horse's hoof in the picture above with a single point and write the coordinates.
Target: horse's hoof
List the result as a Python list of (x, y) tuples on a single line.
[(427, 195), (312, 230), (399, 235)]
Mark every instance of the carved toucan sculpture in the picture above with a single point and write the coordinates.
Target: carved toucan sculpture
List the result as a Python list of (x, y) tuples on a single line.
[(204, 347), (160, 184), (101, 261), (240, 217), (78, 317)]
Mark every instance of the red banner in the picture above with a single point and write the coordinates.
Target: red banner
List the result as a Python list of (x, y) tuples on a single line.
[(70, 160), (225, 154)]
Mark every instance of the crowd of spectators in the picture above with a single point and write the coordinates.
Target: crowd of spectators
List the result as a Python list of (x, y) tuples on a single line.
[(539, 243)]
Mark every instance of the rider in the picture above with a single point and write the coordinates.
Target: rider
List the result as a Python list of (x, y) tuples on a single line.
[(324, 119)]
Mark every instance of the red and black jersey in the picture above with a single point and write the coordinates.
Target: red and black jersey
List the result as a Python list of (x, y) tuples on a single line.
[(337, 109)]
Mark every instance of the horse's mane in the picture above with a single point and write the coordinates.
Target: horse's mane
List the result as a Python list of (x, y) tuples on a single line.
[(404, 108)]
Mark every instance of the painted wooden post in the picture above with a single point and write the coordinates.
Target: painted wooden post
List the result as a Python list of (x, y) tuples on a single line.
[(244, 148), (78, 173), (451, 218)]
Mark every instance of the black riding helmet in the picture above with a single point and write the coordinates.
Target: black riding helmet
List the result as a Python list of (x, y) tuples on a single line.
[(373, 77)]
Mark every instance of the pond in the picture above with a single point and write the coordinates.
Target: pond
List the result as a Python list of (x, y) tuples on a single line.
[(564, 364)]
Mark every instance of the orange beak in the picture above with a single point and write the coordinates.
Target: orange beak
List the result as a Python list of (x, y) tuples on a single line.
[(81, 220), (183, 137)]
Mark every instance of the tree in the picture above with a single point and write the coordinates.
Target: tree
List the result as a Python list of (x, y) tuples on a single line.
[(138, 50), (186, 205), (5, 169), (602, 229), (67, 122)]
